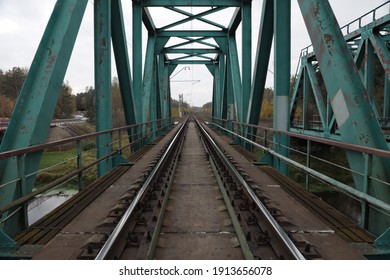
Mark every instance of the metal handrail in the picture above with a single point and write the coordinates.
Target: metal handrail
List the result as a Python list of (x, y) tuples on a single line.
[(381, 205), (75, 172), (352, 147), (53, 144)]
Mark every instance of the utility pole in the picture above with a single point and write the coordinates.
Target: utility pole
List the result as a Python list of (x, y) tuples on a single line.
[(180, 102)]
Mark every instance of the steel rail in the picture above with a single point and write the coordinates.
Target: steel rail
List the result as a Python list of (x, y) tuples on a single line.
[(105, 250), (270, 219)]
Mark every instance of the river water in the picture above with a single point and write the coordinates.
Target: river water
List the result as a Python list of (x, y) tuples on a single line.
[(46, 203)]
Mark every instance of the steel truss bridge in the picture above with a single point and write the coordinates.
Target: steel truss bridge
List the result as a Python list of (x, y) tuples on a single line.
[(335, 100)]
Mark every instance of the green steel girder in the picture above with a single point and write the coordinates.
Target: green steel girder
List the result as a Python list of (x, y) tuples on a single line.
[(191, 17), (365, 43), (282, 42), (160, 46), (137, 58), (263, 53), (368, 78), (231, 110), (235, 77), (224, 95), (386, 101), (162, 86), (235, 22), (147, 81), (154, 105), (350, 101), (103, 95), (222, 73), (216, 72), (223, 44), (192, 33), (191, 41), (246, 58), (192, 62), (197, 3), (119, 44), (35, 107), (200, 19), (191, 51), (148, 21)]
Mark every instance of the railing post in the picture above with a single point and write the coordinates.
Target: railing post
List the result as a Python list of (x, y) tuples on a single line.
[(308, 155), (366, 184), (23, 187), (120, 141), (80, 181)]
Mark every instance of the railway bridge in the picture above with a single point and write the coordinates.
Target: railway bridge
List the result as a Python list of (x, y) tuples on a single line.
[(208, 187)]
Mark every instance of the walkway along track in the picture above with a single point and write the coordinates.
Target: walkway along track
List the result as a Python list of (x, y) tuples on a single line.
[(43, 230), (207, 211)]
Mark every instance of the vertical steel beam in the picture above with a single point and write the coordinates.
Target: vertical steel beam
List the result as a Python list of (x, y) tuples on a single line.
[(165, 93), (350, 101), (212, 70), (386, 103), (217, 78), (162, 85), (122, 62), (230, 108), (171, 69), (282, 41), (263, 53), (147, 82), (137, 58), (153, 102), (246, 59), (235, 75), (35, 107), (102, 32), (383, 53), (369, 76), (222, 71), (224, 103), (213, 101)]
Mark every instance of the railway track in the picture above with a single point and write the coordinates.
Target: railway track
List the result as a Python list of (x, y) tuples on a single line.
[(195, 204)]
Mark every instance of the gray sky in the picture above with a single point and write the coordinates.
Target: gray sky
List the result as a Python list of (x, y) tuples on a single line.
[(22, 23)]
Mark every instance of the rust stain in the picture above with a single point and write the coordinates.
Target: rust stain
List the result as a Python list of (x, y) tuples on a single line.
[(328, 39), (50, 61)]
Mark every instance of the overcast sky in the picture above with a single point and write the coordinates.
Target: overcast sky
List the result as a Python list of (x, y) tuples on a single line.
[(22, 23)]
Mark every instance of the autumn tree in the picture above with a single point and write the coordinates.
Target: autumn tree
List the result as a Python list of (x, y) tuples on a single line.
[(11, 82), (267, 107), (66, 104), (6, 106), (118, 115)]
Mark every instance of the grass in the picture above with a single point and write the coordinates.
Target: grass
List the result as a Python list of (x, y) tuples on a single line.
[(57, 164), (51, 158), (332, 155)]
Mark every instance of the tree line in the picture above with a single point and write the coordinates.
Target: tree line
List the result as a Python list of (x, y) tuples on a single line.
[(68, 104), (11, 83)]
